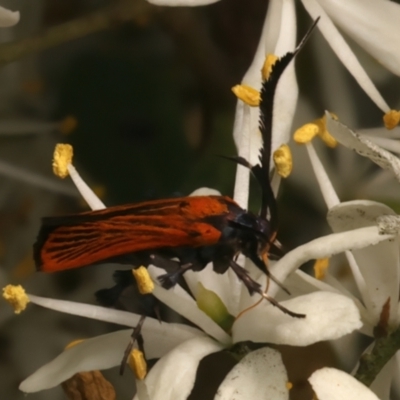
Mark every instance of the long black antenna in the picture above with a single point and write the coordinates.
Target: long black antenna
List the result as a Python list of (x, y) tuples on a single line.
[(267, 94)]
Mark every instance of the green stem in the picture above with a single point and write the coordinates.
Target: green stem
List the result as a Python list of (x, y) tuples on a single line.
[(371, 364)]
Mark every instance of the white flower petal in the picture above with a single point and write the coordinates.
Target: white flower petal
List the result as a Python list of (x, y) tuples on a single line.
[(186, 306), (278, 37), (328, 316), (363, 146), (177, 3), (344, 52), (242, 130), (205, 191), (287, 90), (167, 334), (328, 192), (8, 17), (173, 376), (218, 283), (332, 384), (259, 375), (372, 24), (379, 264), (323, 247)]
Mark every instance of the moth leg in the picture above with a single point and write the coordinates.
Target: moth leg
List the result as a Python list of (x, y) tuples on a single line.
[(254, 287), (243, 275), (171, 278), (135, 337)]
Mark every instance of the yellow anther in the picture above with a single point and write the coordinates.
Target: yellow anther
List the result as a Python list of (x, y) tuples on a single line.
[(289, 385), (391, 119), (62, 156), (247, 94), (283, 160), (320, 267), (143, 279), (269, 62), (68, 125), (138, 364), (317, 127), (73, 343), (306, 133), (16, 296)]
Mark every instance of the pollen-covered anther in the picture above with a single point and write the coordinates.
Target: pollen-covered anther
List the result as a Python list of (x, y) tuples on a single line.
[(68, 125), (138, 364), (16, 296), (62, 157), (269, 62), (143, 279), (320, 267), (283, 160), (307, 132), (289, 385), (247, 94), (391, 119)]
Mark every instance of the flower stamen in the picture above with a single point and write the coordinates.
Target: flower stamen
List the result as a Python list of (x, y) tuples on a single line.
[(283, 160), (320, 267), (247, 94), (143, 279), (269, 62), (138, 364), (16, 296), (307, 132), (62, 157), (391, 119)]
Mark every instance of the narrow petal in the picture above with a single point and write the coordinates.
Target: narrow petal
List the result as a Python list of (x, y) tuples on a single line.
[(101, 352), (205, 191), (242, 130), (181, 302), (372, 24), (167, 333), (328, 192), (259, 375), (363, 146), (189, 310), (287, 90), (8, 17), (178, 3), (326, 246), (328, 316), (106, 351), (332, 384), (173, 376), (278, 37), (379, 264), (218, 283), (344, 52)]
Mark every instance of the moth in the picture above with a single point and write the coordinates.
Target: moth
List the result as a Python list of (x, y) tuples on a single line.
[(179, 233)]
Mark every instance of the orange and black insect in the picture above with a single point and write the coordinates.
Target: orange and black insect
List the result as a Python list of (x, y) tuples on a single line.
[(193, 230)]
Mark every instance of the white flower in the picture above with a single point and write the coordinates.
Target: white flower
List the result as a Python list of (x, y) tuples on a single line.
[(334, 317), (8, 18), (373, 24), (376, 269)]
